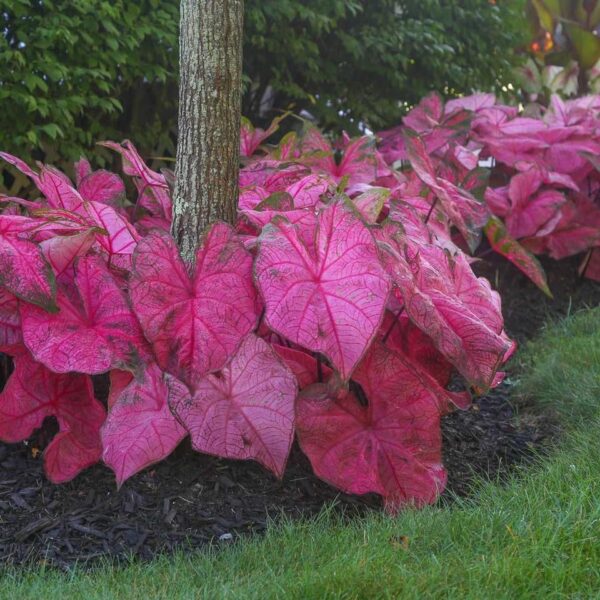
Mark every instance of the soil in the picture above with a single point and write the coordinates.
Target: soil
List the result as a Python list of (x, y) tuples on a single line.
[(190, 500)]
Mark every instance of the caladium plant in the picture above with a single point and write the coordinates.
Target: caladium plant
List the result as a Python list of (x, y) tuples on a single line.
[(545, 197), (335, 310)]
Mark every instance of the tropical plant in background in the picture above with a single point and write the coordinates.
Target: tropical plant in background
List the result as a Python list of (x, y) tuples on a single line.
[(335, 311)]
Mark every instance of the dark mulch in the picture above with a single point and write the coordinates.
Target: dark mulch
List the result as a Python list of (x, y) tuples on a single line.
[(190, 500)]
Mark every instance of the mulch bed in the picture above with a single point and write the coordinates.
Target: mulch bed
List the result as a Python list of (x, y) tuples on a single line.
[(190, 500)]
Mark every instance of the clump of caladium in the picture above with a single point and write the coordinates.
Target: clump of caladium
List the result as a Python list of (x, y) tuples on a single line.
[(544, 192), (334, 310)]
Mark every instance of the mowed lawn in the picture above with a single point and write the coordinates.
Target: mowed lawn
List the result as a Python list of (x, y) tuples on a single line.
[(536, 537)]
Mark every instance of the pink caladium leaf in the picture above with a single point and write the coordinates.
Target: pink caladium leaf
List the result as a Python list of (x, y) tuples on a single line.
[(20, 165), (307, 192), (251, 197), (140, 429), (194, 323), (83, 168), (10, 323), (329, 298), (532, 212), (90, 334), (121, 237), (34, 393), (391, 447), (429, 121), (465, 212), (457, 310), (304, 366), (405, 338), (61, 251), (245, 413), (360, 162), (473, 102), (252, 137), (58, 189), (418, 354), (119, 380), (152, 186), (502, 243), (23, 269), (370, 203), (102, 186)]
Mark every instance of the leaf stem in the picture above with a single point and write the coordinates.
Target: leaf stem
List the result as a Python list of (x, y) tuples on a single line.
[(433, 205), (386, 335)]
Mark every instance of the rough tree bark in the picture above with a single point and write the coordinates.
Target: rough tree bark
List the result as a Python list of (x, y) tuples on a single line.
[(206, 169)]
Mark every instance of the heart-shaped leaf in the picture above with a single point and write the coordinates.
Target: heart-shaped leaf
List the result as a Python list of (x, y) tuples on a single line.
[(194, 324), (102, 186), (457, 310), (140, 428), (34, 393), (245, 413), (391, 447), (23, 269), (90, 334), (465, 212), (329, 299)]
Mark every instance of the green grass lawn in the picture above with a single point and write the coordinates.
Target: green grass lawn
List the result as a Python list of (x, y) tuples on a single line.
[(536, 537)]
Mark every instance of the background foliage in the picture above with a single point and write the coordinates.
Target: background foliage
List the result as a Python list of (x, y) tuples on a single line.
[(76, 71)]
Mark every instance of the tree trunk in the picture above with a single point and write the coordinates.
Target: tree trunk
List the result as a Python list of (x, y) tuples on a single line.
[(206, 169)]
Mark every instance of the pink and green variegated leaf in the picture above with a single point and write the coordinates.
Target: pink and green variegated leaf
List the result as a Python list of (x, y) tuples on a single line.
[(34, 393), (307, 192), (420, 356), (152, 186), (473, 102), (31, 206), (23, 269), (61, 251), (90, 335), (121, 236), (304, 366), (401, 335), (330, 298), (140, 429), (287, 148), (194, 324), (10, 323), (102, 186), (20, 165), (251, 197), (457, 310), (245, 413), (83, 168), (370, 203), (502, 243), (58, 189), (119, 380), (252, 137), (463, 210), (361, 162), (391, 447), (57, 221)]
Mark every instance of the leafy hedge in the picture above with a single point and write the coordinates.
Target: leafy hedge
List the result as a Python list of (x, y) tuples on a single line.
[(79, 70)]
